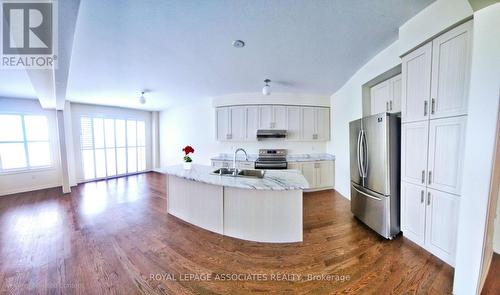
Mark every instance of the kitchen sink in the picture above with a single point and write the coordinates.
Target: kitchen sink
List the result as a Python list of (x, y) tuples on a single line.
[(239, 173), (251, 173), (225, 172)]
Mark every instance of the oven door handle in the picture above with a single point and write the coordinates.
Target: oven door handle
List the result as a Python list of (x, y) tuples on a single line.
[(273, 165)]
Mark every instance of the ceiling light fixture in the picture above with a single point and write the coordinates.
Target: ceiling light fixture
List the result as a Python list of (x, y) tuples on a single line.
[(266, 90), (142, 99), (238, 44)]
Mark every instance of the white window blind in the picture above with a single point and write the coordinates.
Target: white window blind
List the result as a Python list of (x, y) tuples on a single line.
[(112, 147)]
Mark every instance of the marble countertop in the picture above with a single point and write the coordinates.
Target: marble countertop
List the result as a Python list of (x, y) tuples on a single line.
[(290, 158), (273, 179)]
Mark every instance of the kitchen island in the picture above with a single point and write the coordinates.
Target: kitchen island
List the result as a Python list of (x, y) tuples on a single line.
[(267, 209)]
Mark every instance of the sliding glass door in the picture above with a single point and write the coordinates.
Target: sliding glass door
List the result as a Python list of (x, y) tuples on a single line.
[(112, 147)]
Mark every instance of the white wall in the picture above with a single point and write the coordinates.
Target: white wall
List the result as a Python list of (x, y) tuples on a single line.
[(346, 106), (78, 110), (32, 180), (431, 21), (484, 99), (194, 125)]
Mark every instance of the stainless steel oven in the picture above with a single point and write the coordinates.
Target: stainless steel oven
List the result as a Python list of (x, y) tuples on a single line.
[(271, 159)]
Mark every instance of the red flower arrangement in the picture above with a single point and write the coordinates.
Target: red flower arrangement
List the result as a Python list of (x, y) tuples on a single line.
[(188, 150)]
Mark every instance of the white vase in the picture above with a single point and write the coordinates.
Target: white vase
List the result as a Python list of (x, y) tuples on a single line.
[(187, 165)]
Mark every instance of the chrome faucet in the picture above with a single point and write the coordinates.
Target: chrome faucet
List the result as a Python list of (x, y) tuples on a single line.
[(234, 158)]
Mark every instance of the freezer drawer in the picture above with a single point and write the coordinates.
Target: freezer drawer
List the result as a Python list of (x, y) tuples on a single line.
[(374, 210)]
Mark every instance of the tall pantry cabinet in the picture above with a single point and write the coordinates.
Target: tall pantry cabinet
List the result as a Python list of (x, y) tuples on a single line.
[(435, 83)]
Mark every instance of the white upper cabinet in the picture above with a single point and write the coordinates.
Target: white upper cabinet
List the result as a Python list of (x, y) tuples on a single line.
[(272, 117), (386, 96), (240, 123), (294, 122), (441, 221), (222, 120), (414, 139), (266, 117), (446, 148), (279, 117), (413, 211), (237, 124), (395, 102), (380, 96), (308, 123), (416, 84), (315, 124), (231, 123), (450, 72), (322, 124), (252, 122)]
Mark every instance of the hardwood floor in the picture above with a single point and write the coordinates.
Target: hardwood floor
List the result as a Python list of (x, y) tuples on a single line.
[(114, 237), (492, 284)]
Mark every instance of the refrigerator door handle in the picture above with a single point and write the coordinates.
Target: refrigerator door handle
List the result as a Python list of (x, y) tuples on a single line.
[(364, 162), (358, 152), (366, 195)]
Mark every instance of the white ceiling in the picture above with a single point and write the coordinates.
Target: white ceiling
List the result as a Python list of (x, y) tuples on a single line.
[(181, 50)]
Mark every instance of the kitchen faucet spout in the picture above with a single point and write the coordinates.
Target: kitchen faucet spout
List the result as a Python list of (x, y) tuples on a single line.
[(234, 158)]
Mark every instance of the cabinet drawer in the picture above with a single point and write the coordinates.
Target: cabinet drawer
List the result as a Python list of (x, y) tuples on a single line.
[(246, 165)]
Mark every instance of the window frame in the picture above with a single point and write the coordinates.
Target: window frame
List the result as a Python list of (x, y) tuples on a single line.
[(125, 119), (25, 142)]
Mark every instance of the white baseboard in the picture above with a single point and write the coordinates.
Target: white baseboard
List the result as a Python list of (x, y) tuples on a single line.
[(29, 189), (318, 189)]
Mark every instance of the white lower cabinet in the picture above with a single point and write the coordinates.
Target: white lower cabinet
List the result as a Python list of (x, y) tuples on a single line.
[(229, 164), (429, 218), (319, 175), (309, 173), (413, 211), (441, 224)]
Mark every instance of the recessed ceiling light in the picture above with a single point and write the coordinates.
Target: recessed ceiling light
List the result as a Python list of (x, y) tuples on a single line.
[(238, 44)]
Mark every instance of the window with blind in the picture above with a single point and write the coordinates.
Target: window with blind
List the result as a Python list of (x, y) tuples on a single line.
[(24, 142), (112, 147)]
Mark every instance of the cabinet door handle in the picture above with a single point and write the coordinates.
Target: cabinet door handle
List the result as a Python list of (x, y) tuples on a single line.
[(433, 105), (423, 176), (428, 198), (422, 196), (425, 107), (387, 106), (430, 176), (316, 165), (315, 136), (390, 105)]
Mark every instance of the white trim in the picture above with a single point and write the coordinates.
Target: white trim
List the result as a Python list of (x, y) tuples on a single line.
[(29, 189)]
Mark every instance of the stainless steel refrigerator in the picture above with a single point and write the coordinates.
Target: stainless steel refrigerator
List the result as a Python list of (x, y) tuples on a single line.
[(374, 143)]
